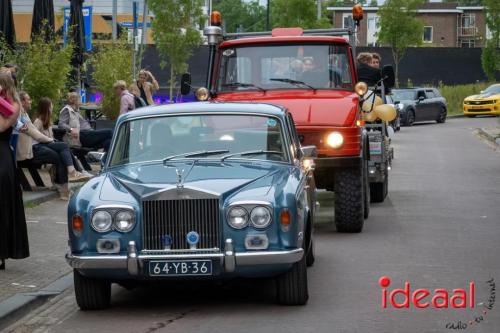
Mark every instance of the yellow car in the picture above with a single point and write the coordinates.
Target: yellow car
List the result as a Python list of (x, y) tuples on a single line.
[(486, 103)]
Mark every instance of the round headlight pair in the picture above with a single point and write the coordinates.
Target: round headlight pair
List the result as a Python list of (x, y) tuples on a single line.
[(103, 221), (238, 217)]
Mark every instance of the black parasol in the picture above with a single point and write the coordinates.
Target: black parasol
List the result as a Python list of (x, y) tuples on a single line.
[(7, 22), (43, 17), (77, 35)]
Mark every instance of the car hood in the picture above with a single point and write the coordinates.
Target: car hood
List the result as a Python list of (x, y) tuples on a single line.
[(486, 96), (308, 107), (238, 180)]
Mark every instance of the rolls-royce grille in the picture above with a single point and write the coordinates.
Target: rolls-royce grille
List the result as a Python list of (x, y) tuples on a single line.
[(176, 218)]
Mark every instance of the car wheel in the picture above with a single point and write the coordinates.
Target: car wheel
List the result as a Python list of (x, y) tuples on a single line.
[(380, 190), (442, 116), (91, 294), (291, 287), (310, 258), (349, 201), (410, 118)]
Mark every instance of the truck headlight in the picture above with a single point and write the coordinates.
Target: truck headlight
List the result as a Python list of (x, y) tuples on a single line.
[(237, 217), (260, 217), (335, 140), (124, 221), (101, 221)]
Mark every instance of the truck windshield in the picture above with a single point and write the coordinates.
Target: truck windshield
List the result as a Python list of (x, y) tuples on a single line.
[(296, 66), (199, 136)]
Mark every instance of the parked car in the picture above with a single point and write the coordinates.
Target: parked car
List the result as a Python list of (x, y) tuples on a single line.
[(196, 191), (396, 123), (485, 103), (420, 104)]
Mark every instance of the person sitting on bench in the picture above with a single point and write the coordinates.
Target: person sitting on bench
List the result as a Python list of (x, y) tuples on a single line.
[(79, 133), (42, 149)]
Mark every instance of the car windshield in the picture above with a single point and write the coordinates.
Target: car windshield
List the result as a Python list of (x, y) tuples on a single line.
[(403, 95), (198, 136), (495, 89), (304, 66)]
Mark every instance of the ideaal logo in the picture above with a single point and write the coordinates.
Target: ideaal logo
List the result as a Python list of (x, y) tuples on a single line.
[(422, 298)]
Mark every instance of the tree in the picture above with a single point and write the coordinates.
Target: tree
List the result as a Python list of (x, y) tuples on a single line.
[(45, 67), (176, 33), (490, 57), (111, 62), (297, 13), (249, 16), (399, 27)]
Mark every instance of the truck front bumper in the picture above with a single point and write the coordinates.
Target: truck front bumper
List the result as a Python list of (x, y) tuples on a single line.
[(229, 259)]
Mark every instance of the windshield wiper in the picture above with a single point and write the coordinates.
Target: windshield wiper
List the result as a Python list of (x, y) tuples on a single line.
[(201, 153), (294, 82), (251, 152), (243, 85)]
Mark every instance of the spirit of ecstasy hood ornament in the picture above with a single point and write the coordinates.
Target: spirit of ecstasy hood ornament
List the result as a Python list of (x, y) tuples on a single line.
[(179, 178)]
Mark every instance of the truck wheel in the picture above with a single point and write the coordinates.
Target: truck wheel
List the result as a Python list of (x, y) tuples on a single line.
[(379, 190), (91, 294), (349, 201), (442, 116), (366, 193), (291, 286)]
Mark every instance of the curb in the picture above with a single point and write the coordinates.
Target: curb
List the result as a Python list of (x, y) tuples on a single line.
[(456, 116), (19, 305), (40, 198)]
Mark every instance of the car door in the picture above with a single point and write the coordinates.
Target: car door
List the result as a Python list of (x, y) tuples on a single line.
[(422, 106), (434, 105)]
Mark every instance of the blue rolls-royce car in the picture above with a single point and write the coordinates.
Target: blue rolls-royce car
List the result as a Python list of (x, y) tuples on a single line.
[(196, 191)]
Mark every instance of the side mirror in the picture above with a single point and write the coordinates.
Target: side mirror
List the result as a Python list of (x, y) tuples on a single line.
[(185, 83), (421, 98), (389, 77), (397, 102), (309, 152)]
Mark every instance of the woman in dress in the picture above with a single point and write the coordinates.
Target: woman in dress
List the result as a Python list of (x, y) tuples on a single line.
[(13, 231)]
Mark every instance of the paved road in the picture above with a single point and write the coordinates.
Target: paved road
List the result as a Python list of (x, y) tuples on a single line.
[(439, 228)]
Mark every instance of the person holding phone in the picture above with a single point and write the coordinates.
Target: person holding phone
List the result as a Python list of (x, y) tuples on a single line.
[(13, 230)]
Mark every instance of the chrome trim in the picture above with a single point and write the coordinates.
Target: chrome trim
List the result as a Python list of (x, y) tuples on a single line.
[(229, 259), (109, 206)]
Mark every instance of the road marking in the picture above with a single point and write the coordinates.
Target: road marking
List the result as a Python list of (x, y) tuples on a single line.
[(61, 222), (32, 221)]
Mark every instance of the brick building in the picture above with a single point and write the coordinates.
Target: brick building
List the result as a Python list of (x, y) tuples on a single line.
[(445, 24)]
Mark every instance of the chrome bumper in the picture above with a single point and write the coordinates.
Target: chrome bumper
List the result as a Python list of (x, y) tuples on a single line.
[(228, 258)]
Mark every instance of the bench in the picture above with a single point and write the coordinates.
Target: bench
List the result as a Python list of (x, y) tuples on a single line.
[(33, 170), (80, 152)]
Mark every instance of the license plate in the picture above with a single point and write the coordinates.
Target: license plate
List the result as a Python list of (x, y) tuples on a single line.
[(180, 267), (376, 148)]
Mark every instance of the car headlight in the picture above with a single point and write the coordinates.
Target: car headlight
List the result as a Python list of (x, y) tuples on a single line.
[(237, 217), (400, 106), (260, 217), (335, 140), (124, 221), (101, 221)]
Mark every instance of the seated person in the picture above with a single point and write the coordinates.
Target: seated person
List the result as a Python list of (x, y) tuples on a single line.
[(42, 149), (79, 133), (367, 73)]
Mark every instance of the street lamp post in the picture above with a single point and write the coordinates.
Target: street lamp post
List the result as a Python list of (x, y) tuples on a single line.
[(268, 25)]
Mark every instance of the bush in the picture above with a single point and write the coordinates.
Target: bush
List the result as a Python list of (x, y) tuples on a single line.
[(455, 94), (45, 68), (111, 62)]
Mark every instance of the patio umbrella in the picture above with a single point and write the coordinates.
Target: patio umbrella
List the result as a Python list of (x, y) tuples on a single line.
[(7, 22), (77, 32), (43, 17)]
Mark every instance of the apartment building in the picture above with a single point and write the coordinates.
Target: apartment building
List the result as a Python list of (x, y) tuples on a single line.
[(445, 24)]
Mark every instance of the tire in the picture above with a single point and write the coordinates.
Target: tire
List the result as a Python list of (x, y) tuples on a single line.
[(349, 201), (366, 193), (410, 118), (91, 294), (379, 190), (291, 287), (310, 258), (442, 116)]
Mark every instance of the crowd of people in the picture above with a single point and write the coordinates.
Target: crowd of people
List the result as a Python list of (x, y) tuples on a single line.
[(22, 139)]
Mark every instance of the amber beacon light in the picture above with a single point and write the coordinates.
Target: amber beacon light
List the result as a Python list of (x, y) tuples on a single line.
[(215, 18), (357, 13)]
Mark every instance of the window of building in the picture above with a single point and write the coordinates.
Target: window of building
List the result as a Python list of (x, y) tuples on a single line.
[(470, 42), (345, 19), (427, 35), (467, 24)]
